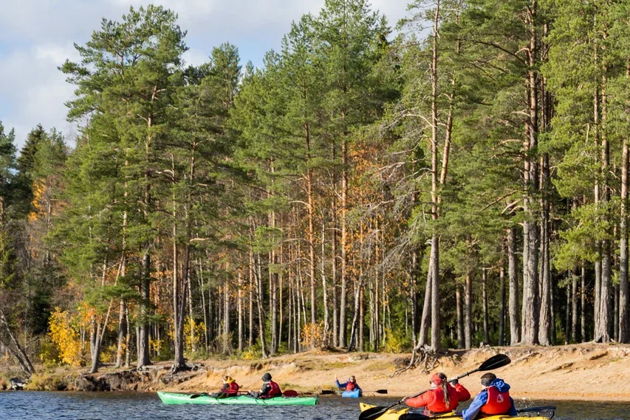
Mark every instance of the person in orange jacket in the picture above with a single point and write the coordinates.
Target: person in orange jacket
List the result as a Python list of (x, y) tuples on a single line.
[(441, 398)]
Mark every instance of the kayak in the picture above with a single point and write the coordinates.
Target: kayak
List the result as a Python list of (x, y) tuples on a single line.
[(355, 393), (183, 398), (395, 413)]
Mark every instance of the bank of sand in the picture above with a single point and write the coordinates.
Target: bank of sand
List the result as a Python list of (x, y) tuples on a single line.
[(571, 372)]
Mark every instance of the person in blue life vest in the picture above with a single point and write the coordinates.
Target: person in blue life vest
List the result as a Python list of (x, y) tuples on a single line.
[(350, 385), (493, 399)]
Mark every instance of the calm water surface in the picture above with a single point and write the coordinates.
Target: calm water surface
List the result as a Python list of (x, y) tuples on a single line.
[(125, 406)]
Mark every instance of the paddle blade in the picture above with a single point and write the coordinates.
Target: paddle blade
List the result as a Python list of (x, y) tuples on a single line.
[(373, 413), (495, 362), (327, 392), (381, 391)]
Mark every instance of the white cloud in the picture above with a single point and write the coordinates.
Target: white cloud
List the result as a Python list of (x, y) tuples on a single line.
[(37, 36), (33, 89)]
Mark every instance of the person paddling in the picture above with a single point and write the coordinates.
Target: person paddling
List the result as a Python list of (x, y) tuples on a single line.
[(441, 398), (493, 399), (229, 389), (269, 388), (350, 385)]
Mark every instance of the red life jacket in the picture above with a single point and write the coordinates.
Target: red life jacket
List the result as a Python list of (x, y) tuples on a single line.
[(498, 402), (433, 399), (350, 386), (232, 388), (274, 390)]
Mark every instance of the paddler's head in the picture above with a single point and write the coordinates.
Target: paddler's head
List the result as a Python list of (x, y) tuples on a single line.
[(487, 379), (266, 377), (228, 379), (437, 380)]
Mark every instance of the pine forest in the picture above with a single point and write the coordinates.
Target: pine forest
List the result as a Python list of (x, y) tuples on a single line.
[(452, 180)]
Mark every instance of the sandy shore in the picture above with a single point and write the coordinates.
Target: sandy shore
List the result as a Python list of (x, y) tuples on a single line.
[(571, 372)]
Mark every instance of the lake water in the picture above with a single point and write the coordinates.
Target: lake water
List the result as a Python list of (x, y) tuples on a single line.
[(126, 406)]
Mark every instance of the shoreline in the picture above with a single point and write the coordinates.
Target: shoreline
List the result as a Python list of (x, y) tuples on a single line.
[(594, 372)]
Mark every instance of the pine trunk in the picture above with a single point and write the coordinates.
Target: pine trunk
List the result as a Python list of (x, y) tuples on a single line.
[(515, 332), (468, 312)]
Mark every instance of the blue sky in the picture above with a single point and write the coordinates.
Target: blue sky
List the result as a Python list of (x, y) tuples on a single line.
[(36, 36)]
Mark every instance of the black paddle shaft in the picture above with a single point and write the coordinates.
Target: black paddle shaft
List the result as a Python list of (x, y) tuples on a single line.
[(495, 362)]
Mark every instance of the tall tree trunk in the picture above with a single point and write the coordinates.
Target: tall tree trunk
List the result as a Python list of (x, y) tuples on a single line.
[(624, 315), (582, 303), (530, 313), (179, 294), (435, 241), (311, 225), (143, 328), (344, 244), (503, 305), (250, 311), (239, 309), (515, 335), (227, 327), (460, 317), (484, 300), (468, 311), (603, 325), (322, 259), (426, 311), (574, 308), (545, 271), (259, 304), (122, 333)]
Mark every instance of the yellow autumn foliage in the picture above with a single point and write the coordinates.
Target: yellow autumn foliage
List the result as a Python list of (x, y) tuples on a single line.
[(193, 332), (65, 337), (313, 335)]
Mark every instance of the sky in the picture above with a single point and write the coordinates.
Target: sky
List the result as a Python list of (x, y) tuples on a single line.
[(37, 36)]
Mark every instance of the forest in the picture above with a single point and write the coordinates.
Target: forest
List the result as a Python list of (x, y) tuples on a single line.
[(456, 179)]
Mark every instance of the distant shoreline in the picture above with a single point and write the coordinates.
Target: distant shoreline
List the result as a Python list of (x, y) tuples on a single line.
[(596, 372)]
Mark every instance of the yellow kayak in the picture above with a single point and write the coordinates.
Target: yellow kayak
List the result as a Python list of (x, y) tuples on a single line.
[(395, 413)]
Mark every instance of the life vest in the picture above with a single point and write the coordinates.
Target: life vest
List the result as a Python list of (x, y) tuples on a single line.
[(350, 386), (438, 405), (232, 388), (274, 390), (433, 400), (498, 402)]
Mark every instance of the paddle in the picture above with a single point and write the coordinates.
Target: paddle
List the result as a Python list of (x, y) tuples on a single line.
[(332, 391), (494, 362), (202, 394)]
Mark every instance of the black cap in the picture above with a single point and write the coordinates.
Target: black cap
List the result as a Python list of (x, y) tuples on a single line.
[(266, 377)]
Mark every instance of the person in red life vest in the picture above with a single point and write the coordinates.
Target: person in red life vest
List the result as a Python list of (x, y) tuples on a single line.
[(350, 385), (493, 399), (269, 388), (441, 398), (230, 387)]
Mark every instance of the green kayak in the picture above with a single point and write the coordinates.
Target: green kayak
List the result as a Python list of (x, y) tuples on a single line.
[(182, 398)]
